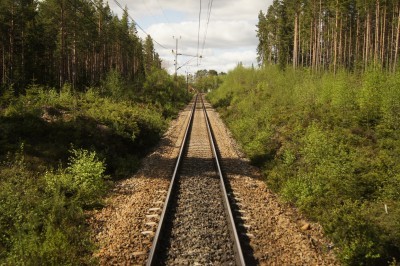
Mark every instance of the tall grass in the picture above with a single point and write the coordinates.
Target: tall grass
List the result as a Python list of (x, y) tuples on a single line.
[(328, 144)]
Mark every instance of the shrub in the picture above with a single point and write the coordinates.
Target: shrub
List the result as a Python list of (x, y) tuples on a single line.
[(47, 226), (83, 179), (113, 85), (42, 218), (328, 144)]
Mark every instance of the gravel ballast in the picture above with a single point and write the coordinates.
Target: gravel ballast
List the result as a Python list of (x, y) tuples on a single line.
[(274, 233)]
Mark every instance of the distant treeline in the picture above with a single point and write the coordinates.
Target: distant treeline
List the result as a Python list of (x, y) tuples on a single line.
[(52, 42), (330, 34)]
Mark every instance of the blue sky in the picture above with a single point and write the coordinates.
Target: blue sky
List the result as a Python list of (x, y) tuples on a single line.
[(231, 32)]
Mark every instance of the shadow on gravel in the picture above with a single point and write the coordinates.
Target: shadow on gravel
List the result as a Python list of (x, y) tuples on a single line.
[(165, 237), (248, 252), (234, 169)]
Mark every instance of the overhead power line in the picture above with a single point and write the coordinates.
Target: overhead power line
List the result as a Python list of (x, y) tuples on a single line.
[(186, 63), (210, 3), (119, 5), (198, 34), (73, 3), (99, 8), (165, 16)]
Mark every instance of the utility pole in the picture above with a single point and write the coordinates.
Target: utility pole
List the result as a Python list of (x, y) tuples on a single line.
[(176, 56), (187, 81)]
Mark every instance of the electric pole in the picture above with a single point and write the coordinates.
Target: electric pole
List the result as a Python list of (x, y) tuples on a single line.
[(176, 55)]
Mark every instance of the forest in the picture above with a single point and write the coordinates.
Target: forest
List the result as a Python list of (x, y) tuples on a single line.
[(82, 100), (70, 41), (330, 34), (320, 117)]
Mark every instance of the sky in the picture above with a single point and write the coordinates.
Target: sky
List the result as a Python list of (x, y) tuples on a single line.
[(225, 39)]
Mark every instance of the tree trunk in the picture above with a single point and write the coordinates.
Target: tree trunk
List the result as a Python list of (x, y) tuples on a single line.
[(12, 42), (391, 48), (318, 26), (344, 51), (74, 67), (340, 56), (295, 42), (311, 45), (357, 50), (335, 37), (376, 45), (74, 61), (367, 40), (3, 69), (350, 53), (397, 42), (62, 50), (383, 38)]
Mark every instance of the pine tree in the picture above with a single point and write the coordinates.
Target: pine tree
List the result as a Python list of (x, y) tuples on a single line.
[(331, 34), (17, 28)]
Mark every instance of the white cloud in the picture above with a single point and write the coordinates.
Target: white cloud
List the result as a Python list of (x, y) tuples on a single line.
[(221, 9), (231, 35), (219, 34)]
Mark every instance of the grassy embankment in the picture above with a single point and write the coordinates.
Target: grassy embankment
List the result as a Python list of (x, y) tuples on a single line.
[(59, 154), (329, 145)]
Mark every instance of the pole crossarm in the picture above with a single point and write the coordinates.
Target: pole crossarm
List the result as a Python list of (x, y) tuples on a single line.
[(199, 56), (176, 53)]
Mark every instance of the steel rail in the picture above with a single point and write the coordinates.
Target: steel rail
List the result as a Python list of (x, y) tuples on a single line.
[(153, 250), (237, 247), (152, 260)]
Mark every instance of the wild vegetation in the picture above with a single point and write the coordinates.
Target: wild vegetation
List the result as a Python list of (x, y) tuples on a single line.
[(78, 42), (82, 99), (60, 152), (321, 117), (205, 80), (328, 144), (330, 34)]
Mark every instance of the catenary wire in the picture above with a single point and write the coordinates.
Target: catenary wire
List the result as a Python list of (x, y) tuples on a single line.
[(210, 3), (119, 5), (198, 34)]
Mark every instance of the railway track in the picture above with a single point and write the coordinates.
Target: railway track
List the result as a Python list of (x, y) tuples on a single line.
[(270, 233), (196, 225)]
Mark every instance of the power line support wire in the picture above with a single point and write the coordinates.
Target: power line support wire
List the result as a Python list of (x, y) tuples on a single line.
[(119, 5), (198, 35)]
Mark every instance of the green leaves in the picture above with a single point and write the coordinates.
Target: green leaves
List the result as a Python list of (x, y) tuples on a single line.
[(86, 175), (164, 91), (83, 180), (328, 144), (42, 210), (41, 217)]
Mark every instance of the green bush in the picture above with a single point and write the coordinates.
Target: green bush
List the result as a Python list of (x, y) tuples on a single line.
[(113, 85), (369, 98), (329, 144), (164, 91), (349, 228), (83, 179), (42, 210), (41, 217)]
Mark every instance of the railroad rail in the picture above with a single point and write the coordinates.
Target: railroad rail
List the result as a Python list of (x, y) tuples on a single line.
[(196, 225)]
